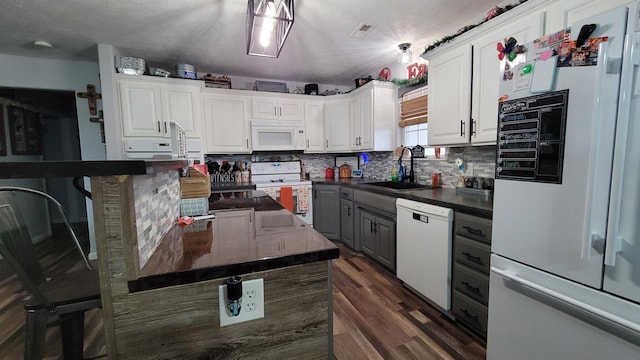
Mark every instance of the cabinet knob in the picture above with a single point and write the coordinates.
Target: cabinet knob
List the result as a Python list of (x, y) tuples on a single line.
[(462, 123), (159, 130), (473, 128)]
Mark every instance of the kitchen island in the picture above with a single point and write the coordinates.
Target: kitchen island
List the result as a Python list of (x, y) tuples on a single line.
[(163, 303), (160, 282)]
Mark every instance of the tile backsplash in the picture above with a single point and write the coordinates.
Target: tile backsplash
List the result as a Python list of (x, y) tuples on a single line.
[(379, 164), (157, 205)]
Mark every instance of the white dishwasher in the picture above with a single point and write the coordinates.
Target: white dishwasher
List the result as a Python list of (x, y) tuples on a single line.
[(424, 233)]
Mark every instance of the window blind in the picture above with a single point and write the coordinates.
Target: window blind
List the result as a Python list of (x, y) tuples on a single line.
[(413, 111)]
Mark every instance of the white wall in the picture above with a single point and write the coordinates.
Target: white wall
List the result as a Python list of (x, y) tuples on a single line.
[(27, 72)]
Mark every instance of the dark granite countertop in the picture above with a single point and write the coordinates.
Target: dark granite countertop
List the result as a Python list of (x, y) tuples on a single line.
[(251, 232), (472, 204), (57, 169)]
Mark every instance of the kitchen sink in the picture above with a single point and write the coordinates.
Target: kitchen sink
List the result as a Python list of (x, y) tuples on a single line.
[(399, 185)]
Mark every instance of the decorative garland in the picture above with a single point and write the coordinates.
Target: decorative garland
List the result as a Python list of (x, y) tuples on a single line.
[(490, 15), (410, 82)]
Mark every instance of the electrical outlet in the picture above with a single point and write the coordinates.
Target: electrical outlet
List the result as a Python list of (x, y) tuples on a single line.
[(252, 303)]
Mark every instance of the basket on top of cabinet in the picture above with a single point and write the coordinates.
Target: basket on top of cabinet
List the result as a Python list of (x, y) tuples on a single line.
[(472, 252)]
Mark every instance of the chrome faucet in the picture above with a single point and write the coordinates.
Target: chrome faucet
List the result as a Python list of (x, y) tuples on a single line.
[(411, 176)]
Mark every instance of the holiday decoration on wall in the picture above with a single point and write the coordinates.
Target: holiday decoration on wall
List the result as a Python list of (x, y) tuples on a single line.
[(385, 74), (416, 71), (495, 11)]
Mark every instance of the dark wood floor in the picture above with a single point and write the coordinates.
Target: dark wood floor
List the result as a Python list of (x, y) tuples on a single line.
[(374, 316)]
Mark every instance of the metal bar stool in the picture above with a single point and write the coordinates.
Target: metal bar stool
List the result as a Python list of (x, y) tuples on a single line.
[(62, 299)]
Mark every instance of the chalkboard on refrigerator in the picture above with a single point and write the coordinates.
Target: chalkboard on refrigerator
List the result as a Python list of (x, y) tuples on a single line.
[(531, 136)]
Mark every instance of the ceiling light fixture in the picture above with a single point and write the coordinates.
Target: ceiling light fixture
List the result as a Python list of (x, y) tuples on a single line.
[(268, 25), (404, 55)]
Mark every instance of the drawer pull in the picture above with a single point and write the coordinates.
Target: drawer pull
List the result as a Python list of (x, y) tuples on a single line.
[(473, 231), (469, 316), (471, 288), (475, 259)]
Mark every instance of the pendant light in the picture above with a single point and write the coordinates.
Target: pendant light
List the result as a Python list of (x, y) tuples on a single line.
[(404, 55), (268, 25)]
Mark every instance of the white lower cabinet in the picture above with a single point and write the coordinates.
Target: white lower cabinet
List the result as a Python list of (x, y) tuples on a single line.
[(226, 124)]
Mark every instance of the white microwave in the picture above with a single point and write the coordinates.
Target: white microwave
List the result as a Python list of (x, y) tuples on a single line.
[(274, 135)]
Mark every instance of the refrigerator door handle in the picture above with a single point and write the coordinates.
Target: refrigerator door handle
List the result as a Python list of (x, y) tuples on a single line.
[(632, 61), (591, 235), (590, 314)]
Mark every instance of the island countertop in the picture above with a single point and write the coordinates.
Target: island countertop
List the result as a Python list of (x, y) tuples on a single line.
[(59, 169), (250, 232)]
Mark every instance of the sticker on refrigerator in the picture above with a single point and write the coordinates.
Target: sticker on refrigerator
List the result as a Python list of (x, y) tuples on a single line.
[(531, 135)]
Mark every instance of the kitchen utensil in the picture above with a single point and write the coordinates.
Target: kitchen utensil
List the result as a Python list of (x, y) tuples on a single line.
[(130, 65), (328, 173), (345, 171), (186, 71), (161, 72)]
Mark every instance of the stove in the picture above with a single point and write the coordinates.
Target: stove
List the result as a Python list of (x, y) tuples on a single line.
[(270, 177)]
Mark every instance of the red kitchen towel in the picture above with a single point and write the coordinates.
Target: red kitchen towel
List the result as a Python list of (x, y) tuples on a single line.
[(286, 197)]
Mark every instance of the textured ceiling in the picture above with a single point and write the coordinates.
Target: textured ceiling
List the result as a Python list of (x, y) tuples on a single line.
[(210, 34)]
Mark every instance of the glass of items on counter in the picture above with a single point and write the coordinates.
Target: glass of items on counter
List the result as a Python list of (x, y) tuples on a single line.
[(239, 172)]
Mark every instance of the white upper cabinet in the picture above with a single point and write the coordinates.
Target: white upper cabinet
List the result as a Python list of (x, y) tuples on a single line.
[(336, 120), (560, 14), (141, 109), (277, 109), (486, 74), (464, 82), (361, 121), (148, 106), (373, 117), (450, 96), (226, 124), (314, 126), (181, 104)]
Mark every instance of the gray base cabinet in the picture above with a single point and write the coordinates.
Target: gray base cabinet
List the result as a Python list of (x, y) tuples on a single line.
[(347, 216), (377, 237), (326, 210), (471, 252), (346, 222)]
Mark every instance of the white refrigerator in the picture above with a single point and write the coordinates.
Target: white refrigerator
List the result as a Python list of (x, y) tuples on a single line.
[(565, 264)]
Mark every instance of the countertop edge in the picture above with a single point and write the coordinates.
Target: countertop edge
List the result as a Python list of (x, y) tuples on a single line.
[(223, 271), (410, 195), (59, 169)]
